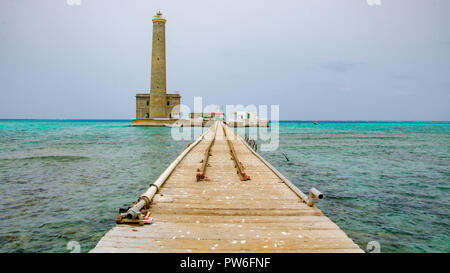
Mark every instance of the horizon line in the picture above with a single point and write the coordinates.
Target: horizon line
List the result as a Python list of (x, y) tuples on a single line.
[(284, 120)]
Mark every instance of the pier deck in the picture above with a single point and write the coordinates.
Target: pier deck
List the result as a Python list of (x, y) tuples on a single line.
[(226, 214)]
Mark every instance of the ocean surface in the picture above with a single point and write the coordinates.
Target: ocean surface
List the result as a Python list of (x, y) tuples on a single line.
[(63, 181)]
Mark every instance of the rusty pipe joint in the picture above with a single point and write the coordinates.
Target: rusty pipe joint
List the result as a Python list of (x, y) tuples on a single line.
[(200, 176), (314, 195), (135, 210), (244, 176), (132, 213)]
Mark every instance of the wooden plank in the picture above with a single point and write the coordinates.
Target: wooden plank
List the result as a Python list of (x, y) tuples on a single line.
[(241, 212), (153, 245), (182, 218)]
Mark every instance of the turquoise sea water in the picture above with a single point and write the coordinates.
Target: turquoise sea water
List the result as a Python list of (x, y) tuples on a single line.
[(383, 181)]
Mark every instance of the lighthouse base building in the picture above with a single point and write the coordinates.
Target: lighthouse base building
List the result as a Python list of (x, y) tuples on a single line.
[(170, 110)]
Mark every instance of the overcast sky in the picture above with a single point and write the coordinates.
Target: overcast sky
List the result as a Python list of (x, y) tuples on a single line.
[(317, 59)]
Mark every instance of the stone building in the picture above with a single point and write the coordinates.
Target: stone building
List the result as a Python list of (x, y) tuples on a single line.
[(156, 106), (207, 116), (143, 106)]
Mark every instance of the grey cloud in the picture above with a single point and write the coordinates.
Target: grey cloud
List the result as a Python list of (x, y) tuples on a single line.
[(339, 66)]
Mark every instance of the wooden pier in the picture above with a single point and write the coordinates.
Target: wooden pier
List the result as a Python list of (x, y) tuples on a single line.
[(223, 211)]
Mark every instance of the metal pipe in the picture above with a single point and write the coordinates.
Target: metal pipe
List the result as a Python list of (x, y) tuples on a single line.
[(314, 194), (201, 174), (241, 171), (146, 197), (133, 212)]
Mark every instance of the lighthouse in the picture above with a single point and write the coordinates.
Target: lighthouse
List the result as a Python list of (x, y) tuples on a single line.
[(158, 75), (157, 105)]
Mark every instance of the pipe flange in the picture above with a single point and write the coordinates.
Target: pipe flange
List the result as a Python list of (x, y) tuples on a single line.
[(154, 185), (147, 201)]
